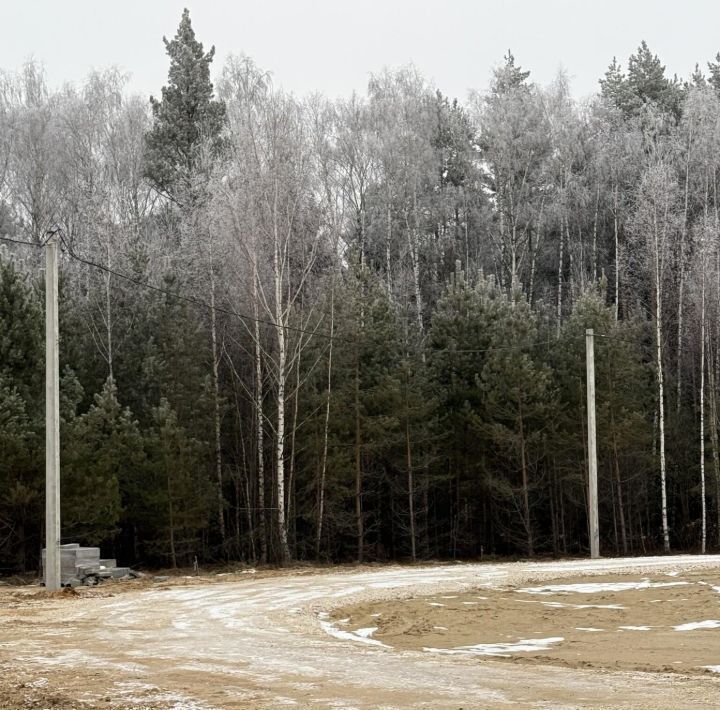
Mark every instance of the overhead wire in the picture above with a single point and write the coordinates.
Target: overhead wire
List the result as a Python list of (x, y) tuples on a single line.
[(243, 316)]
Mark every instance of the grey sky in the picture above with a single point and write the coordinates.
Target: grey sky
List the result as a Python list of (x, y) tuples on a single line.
[(332, 46)]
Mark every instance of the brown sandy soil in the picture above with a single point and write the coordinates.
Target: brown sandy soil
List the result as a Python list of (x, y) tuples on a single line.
[(267, 640), (631, 628)]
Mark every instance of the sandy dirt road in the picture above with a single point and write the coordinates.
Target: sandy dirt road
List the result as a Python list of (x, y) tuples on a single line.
[(262, 642)]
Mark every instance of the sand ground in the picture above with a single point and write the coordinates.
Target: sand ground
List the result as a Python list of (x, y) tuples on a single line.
[(358, 638)]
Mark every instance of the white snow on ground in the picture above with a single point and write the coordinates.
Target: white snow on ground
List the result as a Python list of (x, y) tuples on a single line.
[(587, 628), (709, 624), (362, 635), (499, 649), (712, 586), (714, 669), (366, 633), (584, 606), (634, 628), (597, 587), (560, 605)]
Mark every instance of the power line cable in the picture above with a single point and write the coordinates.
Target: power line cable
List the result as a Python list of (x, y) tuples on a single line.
[(219, 309), (19, 241)]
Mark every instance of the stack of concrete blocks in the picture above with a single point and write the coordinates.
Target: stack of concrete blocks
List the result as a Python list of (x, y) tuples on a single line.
[(83, 565)]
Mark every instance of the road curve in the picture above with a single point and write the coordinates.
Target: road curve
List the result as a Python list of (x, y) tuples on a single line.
[(258, 642)]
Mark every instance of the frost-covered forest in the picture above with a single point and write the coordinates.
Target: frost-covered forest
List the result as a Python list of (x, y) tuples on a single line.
[(296, 328)]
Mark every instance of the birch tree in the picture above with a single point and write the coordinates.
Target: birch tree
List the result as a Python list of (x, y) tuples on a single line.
[(654, 226)]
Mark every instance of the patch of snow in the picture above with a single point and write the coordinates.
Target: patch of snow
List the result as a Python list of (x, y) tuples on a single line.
[(435, 604), (587, 628), (500, 649), (597, 587), (428, 579), (349, 590), (714, 669), (634, 628), (440, 628), (709, 624), (712, 586), (367, 632), (328, 628), (559, 605)]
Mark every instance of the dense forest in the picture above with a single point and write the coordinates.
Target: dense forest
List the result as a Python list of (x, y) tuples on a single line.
[(296, 328)]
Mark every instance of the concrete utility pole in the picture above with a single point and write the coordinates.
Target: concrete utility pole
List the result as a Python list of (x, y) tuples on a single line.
[(52, 417), (594, 532)]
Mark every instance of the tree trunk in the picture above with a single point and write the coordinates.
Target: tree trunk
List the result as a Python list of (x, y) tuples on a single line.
[(171, 519), (621, 510), (260, 425), (281, 382), (714, 438), (617, 253), (216, 405), (358, 468), (595, 229), (702, 412), (681, 285), (559, 288), (661, 393), (326, 427), (293, 433), (411, 486), (525, 482)]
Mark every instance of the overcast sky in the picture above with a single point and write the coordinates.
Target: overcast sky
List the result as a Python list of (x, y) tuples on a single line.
[(332, 46)]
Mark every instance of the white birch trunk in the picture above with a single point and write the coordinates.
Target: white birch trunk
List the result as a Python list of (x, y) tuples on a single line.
[(661, 393), (617, 254), (702, 414), (259, 421), (281, 382), (559, 291)]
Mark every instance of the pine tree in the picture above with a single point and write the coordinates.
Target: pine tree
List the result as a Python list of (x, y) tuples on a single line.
[(616, 89), (509, 76), (101, 449), (458, 338), (648, 83), (21, 414), (21, 334), (187, 120), (518, 401), (714, 68), (173, 495), (20, 477)]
